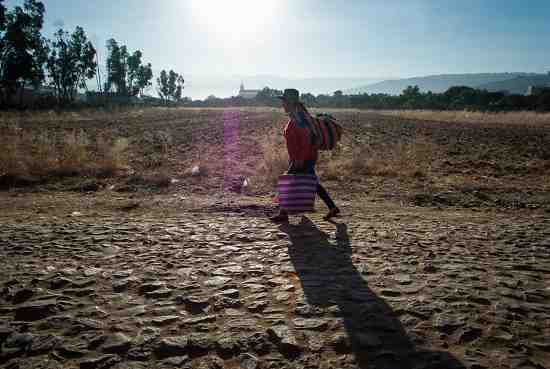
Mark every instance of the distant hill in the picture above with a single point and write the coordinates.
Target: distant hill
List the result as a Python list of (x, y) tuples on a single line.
[(440, 83), (518, 85)]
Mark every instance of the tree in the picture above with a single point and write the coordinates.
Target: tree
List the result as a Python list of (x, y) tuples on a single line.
[(116, 67), (412, 97), (162, 86), (23, 50), (144, 77), (125, 71), (170, 86), (268, 96), (308, 99), (139, 76), (179, 88), (3, 16), (70, 63)]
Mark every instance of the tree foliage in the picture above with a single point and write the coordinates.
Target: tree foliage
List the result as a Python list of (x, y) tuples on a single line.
[(2, 16), (23, 50), (126, 72), (170, 86), (70, 63), (458, 97)]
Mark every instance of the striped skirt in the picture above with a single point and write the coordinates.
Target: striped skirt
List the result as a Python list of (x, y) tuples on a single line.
[(297, 193)]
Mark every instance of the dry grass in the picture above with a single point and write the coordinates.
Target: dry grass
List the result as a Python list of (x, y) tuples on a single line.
[(520, 117), (32, 156), (378, 153), (274, 160), (404, 159)]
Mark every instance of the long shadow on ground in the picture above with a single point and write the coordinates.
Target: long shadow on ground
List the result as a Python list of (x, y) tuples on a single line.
[(328, 277)]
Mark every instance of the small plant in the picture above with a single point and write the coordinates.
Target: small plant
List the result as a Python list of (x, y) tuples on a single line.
[(274, 160), (28, 155)]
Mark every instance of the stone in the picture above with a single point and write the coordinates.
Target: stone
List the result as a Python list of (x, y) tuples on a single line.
[(447, 323), (150, 287), (139, 354), (217, 281), (315, 343), (285, 340), (44, 344), (118, 343), (176, 361), (121, 285), (164, 320), (83, 283), (136, 310), (100, 362), (282, 297), (88, 324), (257, 306), (172, 346), (200, 319), (22, 295), (211, 362), (341, 343), (403, 278), (468, 334), (199, 344), (310, 324), (159, 294), (90, 272), (194, 304), (228, 346), (258, 342), (36, 310), (387, 292), (231, 293), (5, 332), (73, 349), (249, 361), (16, 345)]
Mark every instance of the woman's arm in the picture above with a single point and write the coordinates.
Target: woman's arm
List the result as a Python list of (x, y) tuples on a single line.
[(292, 143)]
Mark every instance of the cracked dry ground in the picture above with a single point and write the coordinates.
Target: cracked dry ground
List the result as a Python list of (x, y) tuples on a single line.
[(389, 287)]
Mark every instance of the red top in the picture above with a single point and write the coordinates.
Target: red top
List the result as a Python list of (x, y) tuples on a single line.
[(298, 136)]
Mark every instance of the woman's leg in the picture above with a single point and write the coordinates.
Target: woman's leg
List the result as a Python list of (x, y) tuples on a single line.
[(323, 194)]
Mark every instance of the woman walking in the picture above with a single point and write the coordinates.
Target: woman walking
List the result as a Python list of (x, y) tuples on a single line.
[(302, 143)]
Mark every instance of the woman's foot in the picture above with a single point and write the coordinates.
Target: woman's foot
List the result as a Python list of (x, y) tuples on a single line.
[(331, 213), (280, 218)]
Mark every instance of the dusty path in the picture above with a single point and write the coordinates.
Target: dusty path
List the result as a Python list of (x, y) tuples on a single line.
[(389, 287)]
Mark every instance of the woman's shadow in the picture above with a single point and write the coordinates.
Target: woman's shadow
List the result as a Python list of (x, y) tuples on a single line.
[(329, 279)]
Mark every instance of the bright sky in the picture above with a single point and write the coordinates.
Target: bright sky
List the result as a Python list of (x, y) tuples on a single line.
[(320, 38)]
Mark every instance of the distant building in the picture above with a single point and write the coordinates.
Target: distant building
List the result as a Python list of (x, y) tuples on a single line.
[(248, 94)]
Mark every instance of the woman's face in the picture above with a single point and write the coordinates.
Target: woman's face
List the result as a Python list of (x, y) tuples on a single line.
[(287, 106)]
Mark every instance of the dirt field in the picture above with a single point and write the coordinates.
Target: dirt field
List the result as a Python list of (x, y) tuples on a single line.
[(441, 258)]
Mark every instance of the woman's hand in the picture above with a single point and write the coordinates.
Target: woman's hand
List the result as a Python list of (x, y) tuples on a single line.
[(298, 164), (295, 166)]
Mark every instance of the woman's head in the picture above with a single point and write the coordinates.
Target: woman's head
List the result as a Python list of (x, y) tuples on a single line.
[(289, 107), (290, 99)]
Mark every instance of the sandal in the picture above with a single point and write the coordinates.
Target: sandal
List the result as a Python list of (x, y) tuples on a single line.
[(279, 218), (332, 213)]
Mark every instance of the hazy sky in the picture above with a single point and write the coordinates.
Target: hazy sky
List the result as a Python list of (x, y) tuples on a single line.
[(319, 38)]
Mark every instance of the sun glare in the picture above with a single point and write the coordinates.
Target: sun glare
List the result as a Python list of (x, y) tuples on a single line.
[(236, 17)]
